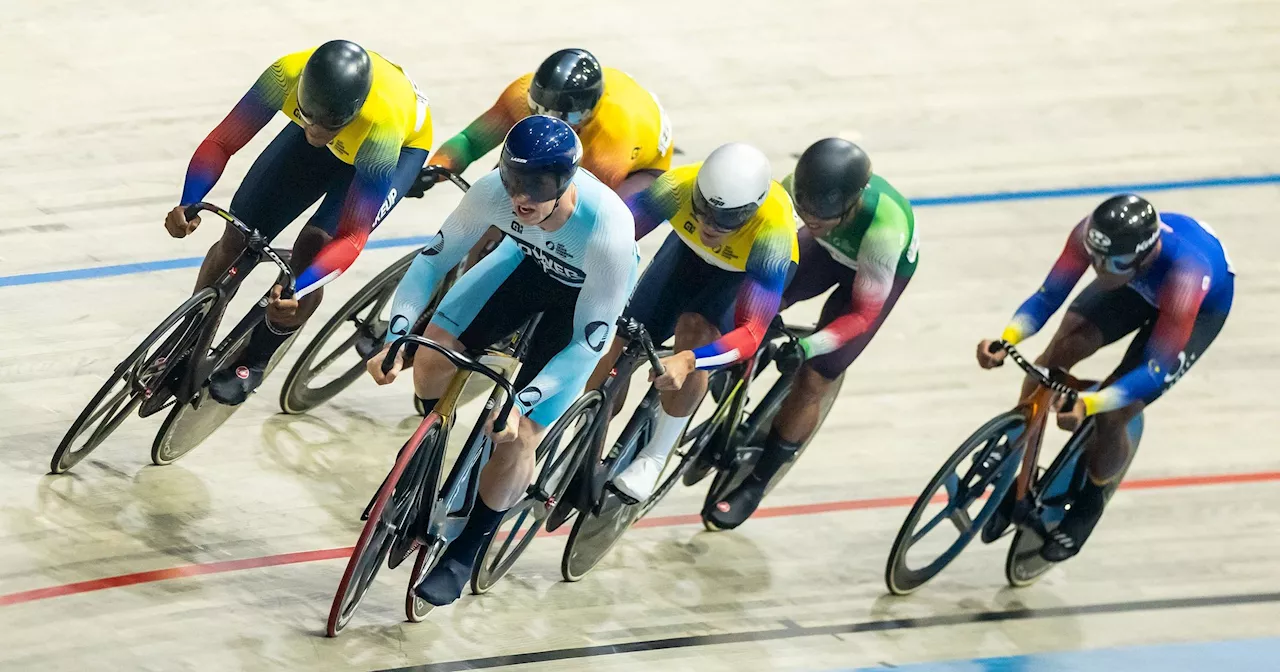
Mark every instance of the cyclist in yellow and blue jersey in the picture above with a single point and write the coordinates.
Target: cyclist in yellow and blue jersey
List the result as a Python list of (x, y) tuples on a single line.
[(360, 133), (715, 284)]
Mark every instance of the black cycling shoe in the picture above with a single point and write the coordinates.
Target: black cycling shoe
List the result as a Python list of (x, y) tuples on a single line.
[(233, 385), (444, 583), (1078, 523), (736, 507)]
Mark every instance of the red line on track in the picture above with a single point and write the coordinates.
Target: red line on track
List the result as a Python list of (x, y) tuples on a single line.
[(224, 566)]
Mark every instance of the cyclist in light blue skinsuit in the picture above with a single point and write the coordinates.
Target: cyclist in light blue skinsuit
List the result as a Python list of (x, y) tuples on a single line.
[(570, 254)]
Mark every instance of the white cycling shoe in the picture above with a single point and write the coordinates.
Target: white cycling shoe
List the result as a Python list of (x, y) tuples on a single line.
[(640, 478)]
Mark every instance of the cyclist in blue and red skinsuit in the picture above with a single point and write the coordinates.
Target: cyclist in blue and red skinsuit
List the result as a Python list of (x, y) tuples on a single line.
[(1165, 275)]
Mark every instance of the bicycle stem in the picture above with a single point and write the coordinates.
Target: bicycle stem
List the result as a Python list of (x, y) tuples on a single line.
[(461, 361)]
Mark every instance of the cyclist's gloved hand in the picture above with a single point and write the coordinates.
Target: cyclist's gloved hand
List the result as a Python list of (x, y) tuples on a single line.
[(791, 356), (426, 179)]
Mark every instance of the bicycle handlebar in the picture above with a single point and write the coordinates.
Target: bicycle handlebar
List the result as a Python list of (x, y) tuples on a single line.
[(1042, 375), (462, 362), (441, 171), (632, 330), (253, 239)]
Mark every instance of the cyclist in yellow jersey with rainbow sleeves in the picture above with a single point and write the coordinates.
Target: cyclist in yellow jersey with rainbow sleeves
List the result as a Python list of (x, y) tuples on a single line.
[(715, 284), (360, 135)]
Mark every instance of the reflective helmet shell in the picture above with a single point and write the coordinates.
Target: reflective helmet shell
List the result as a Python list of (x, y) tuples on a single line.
[(334, 84), (731, 186), (830, 177), (567, 85), (539, 158), (1121, 232)]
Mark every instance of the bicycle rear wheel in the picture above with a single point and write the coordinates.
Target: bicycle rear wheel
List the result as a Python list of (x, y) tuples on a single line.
[(993, 454), (390, 517), (365, 311), (142, 376), (189, 424), (524, 520)]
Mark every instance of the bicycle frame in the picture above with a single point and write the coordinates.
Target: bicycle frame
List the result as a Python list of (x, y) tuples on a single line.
[(256, 249), (1035, 407), (461, 488)]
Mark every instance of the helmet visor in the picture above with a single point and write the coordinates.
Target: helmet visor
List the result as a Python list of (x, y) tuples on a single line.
[(571, 117), (540, 186), (721, 219), (314, 115)]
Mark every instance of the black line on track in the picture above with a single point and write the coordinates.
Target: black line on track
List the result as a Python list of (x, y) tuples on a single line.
[(840, 629)]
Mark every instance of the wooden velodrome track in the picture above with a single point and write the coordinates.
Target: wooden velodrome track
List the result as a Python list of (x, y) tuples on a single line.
[(229, 558)]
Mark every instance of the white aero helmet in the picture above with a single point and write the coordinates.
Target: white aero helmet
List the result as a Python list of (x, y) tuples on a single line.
[(731, 185)]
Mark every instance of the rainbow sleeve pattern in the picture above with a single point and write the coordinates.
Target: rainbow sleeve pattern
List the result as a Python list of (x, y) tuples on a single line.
[(248, 117), (362, 207), (657, 204), (1066, 272), (767, 268), (487, 131), (878, 256), (1180, 298)]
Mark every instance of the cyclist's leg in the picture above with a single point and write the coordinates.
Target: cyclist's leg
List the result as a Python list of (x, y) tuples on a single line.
[(234, 384), (703, 316), (286, 178), (1109, 452), (469, 316), (659, 298), (1096, 318), (507, 475)]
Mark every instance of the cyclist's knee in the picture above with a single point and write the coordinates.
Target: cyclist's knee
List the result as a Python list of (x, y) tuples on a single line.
[(309, 243), (429, 365), (694, 330), (230, 245), (637, 182), (810, 385), (1111, 449), (1076, 340)]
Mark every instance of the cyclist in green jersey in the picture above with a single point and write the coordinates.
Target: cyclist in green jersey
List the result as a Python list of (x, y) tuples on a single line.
[(859, 236)]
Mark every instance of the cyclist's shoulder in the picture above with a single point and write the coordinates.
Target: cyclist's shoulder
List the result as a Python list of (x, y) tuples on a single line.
[(290, 65), (777, 211)]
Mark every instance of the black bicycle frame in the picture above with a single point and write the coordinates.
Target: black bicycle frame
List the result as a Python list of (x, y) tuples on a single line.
[(198, 368)]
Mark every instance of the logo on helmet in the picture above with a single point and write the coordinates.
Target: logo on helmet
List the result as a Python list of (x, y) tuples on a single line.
[(1099, 240)]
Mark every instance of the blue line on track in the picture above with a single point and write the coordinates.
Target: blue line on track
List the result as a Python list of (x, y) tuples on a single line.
[(927, 202)]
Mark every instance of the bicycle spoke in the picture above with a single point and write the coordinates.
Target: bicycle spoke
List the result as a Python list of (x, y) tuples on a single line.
[(960, 518), (101, 431), (942, 515), (502, 552), (338, 351)]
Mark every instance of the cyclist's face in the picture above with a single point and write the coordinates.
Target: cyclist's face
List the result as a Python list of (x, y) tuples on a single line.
[(710, 235), (818, 226), (529, 211), (319, 136)]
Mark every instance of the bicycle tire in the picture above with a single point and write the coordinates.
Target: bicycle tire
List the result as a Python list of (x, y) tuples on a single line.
[(562, 465), (189, 424), (194, 308), (297, 396), (407, 479), (902, 580)]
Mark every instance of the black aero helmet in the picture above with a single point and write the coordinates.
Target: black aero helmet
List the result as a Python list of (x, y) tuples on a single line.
[(334, 84), (1121, 232), (829, 178), (567, 85)]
